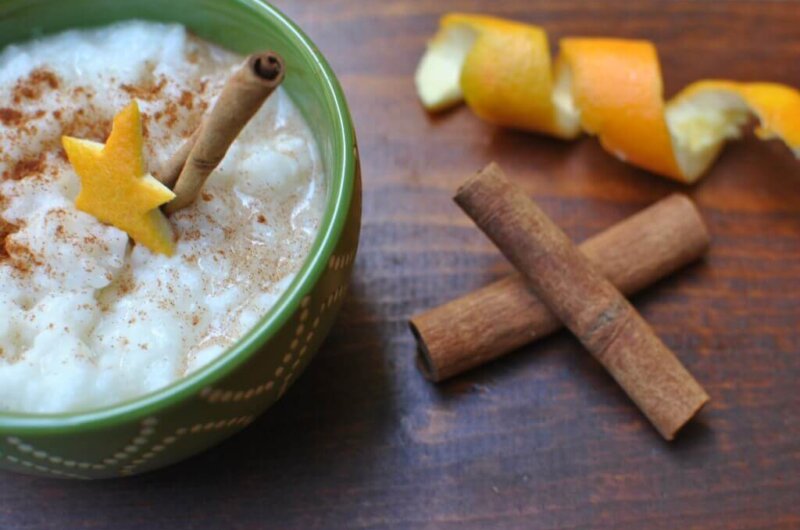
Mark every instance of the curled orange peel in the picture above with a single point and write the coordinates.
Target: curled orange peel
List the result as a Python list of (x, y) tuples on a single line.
[(610, 88)]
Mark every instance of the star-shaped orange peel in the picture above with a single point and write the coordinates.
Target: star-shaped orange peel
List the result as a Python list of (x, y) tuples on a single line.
[(115, 186)]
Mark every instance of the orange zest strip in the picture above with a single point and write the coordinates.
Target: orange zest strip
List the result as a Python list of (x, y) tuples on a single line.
[(611, 88)]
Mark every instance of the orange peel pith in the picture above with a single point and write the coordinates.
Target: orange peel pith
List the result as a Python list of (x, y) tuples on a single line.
[(611, 88)]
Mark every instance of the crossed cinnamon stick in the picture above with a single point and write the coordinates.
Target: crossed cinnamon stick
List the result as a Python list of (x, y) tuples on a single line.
[(559, 284)]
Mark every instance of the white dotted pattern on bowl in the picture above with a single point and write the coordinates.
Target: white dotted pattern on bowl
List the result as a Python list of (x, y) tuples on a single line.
[(155, 449), (341, 261), (304, 333), (63, 467), (127, 460)]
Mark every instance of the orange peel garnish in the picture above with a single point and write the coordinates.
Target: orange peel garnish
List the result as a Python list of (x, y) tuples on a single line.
[(611, 88), (116, 188)]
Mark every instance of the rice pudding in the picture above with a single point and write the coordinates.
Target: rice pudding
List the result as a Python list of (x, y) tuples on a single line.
[(87, 318)]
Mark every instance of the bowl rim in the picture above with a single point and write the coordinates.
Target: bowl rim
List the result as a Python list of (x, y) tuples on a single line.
[(340, 196)]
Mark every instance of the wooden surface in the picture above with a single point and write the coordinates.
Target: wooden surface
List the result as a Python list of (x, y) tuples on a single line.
[(544, 438)]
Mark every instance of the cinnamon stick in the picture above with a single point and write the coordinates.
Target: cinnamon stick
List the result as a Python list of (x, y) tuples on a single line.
[(505, 315), (169, 174), (586, 302), (241, 97)]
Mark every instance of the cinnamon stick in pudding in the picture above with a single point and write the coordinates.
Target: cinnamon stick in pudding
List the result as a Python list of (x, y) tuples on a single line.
[(586, 302), (505, 315), (169, 174), (241, 97)]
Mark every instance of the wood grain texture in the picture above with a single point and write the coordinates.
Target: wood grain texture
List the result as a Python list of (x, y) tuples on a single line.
[(543, 438)]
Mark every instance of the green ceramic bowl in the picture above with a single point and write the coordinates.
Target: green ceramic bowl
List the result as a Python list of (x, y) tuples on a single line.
[(212, 404)]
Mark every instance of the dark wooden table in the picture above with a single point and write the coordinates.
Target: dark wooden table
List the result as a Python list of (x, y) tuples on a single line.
[(543, 438)]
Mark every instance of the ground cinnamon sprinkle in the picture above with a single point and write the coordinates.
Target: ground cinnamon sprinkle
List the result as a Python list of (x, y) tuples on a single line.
[(190, 235), (32, 86), (28, 167), (10, 116), (6, 229), (43, 76), (172, 114), (206, 196), (125, 287), (145, 125), (187, 99), (146, 92), (81, 126), (23, 258)]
